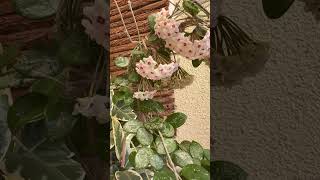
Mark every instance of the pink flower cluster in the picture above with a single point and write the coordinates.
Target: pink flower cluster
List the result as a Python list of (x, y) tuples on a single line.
[(147, 69), (144, 95), (168, 30)]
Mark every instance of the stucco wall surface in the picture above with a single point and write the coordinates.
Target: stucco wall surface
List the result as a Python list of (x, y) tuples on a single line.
[(270, 124), (194, 101)]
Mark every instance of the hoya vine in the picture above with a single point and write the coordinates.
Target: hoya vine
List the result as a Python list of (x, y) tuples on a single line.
[(143, 142)]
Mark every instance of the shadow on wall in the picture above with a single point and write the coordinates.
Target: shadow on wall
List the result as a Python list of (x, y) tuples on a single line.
[(267, 123)]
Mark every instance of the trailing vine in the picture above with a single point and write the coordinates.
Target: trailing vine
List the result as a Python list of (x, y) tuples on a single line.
[(143, 137)]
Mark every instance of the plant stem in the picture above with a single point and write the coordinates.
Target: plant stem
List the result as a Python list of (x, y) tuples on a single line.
[(169, 158)]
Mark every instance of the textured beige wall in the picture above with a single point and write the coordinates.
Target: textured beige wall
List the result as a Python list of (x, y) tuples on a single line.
[(194, 101), (269, 124)]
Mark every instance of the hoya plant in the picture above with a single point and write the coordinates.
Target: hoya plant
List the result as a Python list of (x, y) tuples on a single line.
[(143, 144), (53, 112)]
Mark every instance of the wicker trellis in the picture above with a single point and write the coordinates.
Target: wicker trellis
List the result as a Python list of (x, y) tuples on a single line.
[(120, 44)]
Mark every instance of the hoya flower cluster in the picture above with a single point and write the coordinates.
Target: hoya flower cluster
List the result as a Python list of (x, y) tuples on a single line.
[(95, 27), (168, 30), (144, 95), (147, 69)]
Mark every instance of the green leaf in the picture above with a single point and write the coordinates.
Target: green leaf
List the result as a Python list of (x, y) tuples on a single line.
[(36, 9), (118, 135), (206, 164), (148, 106), (276, 8), (196, 150), (48, 87), (132, 126), (206, 153), (168, 130), (132, 157), (144, 137), (59, 119), (193, 171), (122, 62), (128, 175), (76, 50), (156, 123), (185, 146), (133, 77), (121, 81), (176, 119), (164, 174), (143, 157), (196, 161), (182, 158), (169, 143), (10, 53), (5, 135), (156, 162), (59, 156), (227, 170), (196, 62), (151, 22), (190, 7), (37, 63), (26, 109), (137, 55)]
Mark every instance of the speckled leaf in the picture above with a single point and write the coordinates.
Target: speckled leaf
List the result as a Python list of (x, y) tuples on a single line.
[(182, 158), (193, 171), (155, 123), (164, 174), (132, 126), (144, 137), (176, 119), (143, 157), (206, 153), (156, 162), (168, 130), (185, 145), (169, 143), (121, 62), (196, 150)]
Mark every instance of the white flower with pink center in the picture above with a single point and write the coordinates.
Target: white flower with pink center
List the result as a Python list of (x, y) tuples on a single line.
[(148, 68), (144, 95), (95, 25), (168, 30)]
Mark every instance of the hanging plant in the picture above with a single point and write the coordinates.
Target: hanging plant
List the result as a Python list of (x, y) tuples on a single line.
[(144, 146)]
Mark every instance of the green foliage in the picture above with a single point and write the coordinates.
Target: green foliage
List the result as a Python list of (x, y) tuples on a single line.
[(5, 135), (132, 126), (144, 137), (151, 22), (48, 87), (148, 106), (196, 150), (194, 171), (154, 124), (164, 174), (168, 143), (36, 9), (177, 119), (10, 53), (121, 62), (77, 50), (143, 157), (196, 62), (190, 7), (168, 130), (26, 109), (156, 162), (127, 175), (182, 158)]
